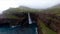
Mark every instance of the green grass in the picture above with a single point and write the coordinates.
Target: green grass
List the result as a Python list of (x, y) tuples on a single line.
[(46, 30)]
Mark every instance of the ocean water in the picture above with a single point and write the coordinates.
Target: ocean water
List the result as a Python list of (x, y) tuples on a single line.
[(19, 30)]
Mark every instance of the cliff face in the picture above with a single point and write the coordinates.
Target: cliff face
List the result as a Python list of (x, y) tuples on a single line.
[(51, 21), (22, 20), (12, 21)]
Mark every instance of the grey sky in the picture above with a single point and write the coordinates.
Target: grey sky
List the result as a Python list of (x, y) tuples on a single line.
[(5, 4)]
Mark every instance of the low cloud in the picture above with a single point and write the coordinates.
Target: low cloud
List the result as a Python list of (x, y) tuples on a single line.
[(5, 4)]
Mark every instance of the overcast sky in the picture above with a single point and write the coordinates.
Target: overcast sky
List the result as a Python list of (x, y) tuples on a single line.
[(5, 4)]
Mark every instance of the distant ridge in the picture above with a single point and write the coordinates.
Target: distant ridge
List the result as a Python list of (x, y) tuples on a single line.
[(24, 7), (56, 6)]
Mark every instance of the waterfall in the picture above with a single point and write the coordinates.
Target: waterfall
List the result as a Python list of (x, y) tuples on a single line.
[(36, 30), (29, 19)]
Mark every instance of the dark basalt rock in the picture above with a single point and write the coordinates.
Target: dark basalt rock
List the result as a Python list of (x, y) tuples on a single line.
[(22, 20)]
